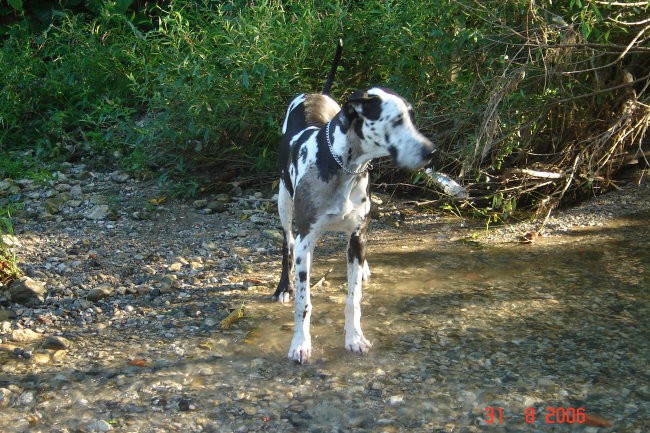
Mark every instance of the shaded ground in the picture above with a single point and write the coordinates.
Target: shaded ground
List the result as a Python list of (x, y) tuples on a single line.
[(461, 321)]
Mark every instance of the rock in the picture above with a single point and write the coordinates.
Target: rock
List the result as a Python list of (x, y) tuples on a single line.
[(5, 327), (175, 267), (100, 426), (199, 204), (119, 177), (76, 192), (41, 358), (24, 336), (99, 292), (9, 186), (54, 205), (5, 396), (6, 315), (169, 282), (26, 291), (98, 212), (185, 405), (216, 206), (55, 342)]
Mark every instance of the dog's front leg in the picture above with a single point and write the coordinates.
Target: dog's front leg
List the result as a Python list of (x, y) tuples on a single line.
[(354, 339), (300, 349)]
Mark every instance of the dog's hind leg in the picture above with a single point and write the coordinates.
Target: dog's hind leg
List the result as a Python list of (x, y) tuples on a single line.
[(357, 266), (300, 349), (284, 290)]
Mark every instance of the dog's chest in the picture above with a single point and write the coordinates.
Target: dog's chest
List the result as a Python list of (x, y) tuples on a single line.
[(342, 204)]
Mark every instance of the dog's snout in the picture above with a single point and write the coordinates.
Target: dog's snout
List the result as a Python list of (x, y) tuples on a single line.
[(428, 151)]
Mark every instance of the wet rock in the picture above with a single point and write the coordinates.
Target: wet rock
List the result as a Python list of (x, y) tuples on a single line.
[(100, 426), (26, 291), (185, 404)]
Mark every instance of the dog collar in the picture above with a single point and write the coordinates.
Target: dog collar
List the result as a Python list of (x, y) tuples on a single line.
[(337, 158)]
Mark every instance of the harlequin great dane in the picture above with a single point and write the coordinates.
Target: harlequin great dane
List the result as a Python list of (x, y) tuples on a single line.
[(325, 154)]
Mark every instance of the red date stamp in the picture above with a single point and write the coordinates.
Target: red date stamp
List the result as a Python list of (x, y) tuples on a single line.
[(550, 415)]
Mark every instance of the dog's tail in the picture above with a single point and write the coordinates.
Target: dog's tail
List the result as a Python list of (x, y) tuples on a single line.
[(335, 65)]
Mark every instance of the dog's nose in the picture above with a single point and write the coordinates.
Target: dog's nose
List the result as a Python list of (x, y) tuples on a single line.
[(432, 156)]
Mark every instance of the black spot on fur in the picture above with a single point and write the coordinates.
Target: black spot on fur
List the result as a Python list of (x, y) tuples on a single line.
[(357, 248), (304, 313), (372, 108), (327, 166), (298, 260), (398, 121), (302, 276), (393, 152), (357, 124), (303, 154)]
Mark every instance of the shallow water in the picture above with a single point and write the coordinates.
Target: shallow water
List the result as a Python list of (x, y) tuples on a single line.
[(460, 330)]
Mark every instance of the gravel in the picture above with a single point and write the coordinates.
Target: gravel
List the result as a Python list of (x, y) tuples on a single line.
[(116, 326)]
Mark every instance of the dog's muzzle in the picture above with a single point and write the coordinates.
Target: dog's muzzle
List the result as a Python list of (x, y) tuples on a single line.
[(416, 155)]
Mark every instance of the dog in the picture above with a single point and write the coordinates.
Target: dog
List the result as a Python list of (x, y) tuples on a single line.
[(325, 154)]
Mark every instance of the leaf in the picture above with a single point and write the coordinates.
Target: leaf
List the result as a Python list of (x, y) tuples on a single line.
[(157, 201), (16, 4), (138, 362), (234, 317), (245, 79), (597, 421)]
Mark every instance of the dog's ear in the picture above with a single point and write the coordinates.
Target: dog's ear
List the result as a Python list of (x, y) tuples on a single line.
[(363, 104)]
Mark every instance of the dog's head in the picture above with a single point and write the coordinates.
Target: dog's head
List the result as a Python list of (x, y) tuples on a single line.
[(383, 120)]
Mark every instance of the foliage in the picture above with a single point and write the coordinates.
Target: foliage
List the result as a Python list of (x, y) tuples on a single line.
[(195, 90), (8, 267)]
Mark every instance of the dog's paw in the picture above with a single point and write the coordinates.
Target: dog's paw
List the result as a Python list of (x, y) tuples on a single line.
[(284, 298), (365, 273), (357, 344), (300, 350)]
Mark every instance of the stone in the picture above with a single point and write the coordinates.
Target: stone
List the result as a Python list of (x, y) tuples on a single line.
[(24, 336), (99, 292), (199, 204), (98, 212), (119, 177), (27, 291), (7, 315), (216, 206), (55, 342)]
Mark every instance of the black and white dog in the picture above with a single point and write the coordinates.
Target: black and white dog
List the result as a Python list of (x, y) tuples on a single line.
[(325, 152)]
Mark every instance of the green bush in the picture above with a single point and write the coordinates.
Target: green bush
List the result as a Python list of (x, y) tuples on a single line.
[(192, 89)]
